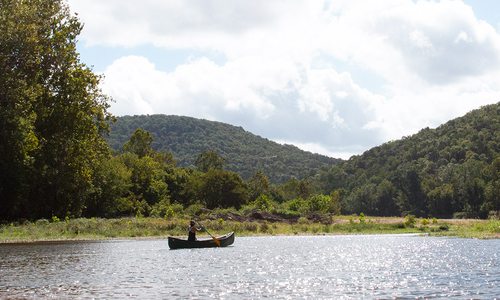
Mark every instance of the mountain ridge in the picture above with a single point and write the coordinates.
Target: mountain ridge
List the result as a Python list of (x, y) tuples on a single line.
[(452, 168), (244, 152)]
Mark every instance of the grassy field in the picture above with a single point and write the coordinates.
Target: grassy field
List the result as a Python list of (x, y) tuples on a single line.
[(97, 229)]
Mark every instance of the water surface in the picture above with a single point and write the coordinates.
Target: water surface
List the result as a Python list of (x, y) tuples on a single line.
[(375, 266)]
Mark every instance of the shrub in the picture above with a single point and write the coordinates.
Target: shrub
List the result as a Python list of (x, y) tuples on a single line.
[(287, 214), (362, 218), (319, 203), (250, 226), (410, 221), (298, 204), (263, 202), (264, 227), (303, 220), (425, 222), (123, 206), (444, 227), (494, 226), (177, 208), (42, 222), (160, 209), (460, 215), (494, 215), (195, 209)]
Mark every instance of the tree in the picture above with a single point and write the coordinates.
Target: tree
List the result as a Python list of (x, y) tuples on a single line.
[(52, 112), (325, 204), (492, 190), (409, 182), (178, 181), (263, 202), (221, 188), (440, 201), (111, 187), (363, 199), (386, 199), (209, 160), (258, 185), (139, 143), (147, 178), (333, 178), (335, 206)]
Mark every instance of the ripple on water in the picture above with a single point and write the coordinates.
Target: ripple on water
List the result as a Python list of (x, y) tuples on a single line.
[(255, 267)]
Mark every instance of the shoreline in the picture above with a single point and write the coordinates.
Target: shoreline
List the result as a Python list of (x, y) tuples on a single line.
[(99, 230), (164, 238)]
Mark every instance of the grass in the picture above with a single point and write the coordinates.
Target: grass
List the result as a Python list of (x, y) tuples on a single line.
[(98, 229)]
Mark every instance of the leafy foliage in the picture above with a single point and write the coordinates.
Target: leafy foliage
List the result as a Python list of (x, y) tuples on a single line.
[(438, 172), (55, 163), (52, 112), (244, 153), (209, 160), (139, 143), (221, 188)]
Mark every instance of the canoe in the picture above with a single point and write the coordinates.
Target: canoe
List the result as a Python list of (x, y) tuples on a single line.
[(225, 240)]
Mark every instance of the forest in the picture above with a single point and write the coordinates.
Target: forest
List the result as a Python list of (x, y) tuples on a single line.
[(56, 162), (244, 152), (450, 171)]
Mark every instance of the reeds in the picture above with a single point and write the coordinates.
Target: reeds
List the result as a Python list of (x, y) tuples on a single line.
[(98, 228)]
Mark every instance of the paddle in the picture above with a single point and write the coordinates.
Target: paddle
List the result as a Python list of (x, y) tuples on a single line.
[(217, 242)]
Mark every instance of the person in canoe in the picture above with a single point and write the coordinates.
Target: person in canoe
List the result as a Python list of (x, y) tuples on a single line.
[(192, 231)]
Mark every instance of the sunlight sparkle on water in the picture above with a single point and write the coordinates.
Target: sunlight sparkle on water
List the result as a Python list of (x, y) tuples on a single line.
[(277, 267)]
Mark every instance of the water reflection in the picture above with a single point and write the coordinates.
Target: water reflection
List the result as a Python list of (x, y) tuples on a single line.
[(276, 267)]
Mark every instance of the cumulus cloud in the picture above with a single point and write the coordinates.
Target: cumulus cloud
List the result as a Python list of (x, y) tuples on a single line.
[(281, 75), (273, 101), (441, 42)]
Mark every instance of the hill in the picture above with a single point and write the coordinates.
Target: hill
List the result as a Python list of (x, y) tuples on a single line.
[(244, 152), (454, 168)]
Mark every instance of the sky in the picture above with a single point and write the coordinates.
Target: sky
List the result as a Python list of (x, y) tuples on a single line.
[(335, 77)]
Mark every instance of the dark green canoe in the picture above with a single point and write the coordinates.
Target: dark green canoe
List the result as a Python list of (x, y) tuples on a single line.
[(224, 241)]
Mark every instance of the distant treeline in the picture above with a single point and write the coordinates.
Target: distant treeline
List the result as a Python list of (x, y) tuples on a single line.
[(55, 162), (453, 170), (244, 152)]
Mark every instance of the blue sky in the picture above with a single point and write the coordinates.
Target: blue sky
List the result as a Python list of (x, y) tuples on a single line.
[(335, 77)]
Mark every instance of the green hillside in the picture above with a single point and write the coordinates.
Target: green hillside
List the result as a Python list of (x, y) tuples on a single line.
[(454, 168), (244, 152)]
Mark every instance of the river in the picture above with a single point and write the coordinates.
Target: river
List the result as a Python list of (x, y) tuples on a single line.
[(314, 267)]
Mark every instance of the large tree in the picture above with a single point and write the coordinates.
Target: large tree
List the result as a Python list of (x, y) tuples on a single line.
[(52, 112), (219, 188)]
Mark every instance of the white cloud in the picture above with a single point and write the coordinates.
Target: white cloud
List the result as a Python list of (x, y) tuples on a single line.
[(267, 97), (435, 58), (406, 40)]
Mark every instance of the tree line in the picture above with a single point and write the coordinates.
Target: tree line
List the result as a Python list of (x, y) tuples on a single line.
[(140, 181), (55, 161), (450, 171), (245, 153)]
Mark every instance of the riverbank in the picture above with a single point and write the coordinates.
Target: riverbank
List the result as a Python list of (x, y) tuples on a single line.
[(101, 229)]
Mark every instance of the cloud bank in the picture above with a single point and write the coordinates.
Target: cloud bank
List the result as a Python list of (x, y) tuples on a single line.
[(335, 77)]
